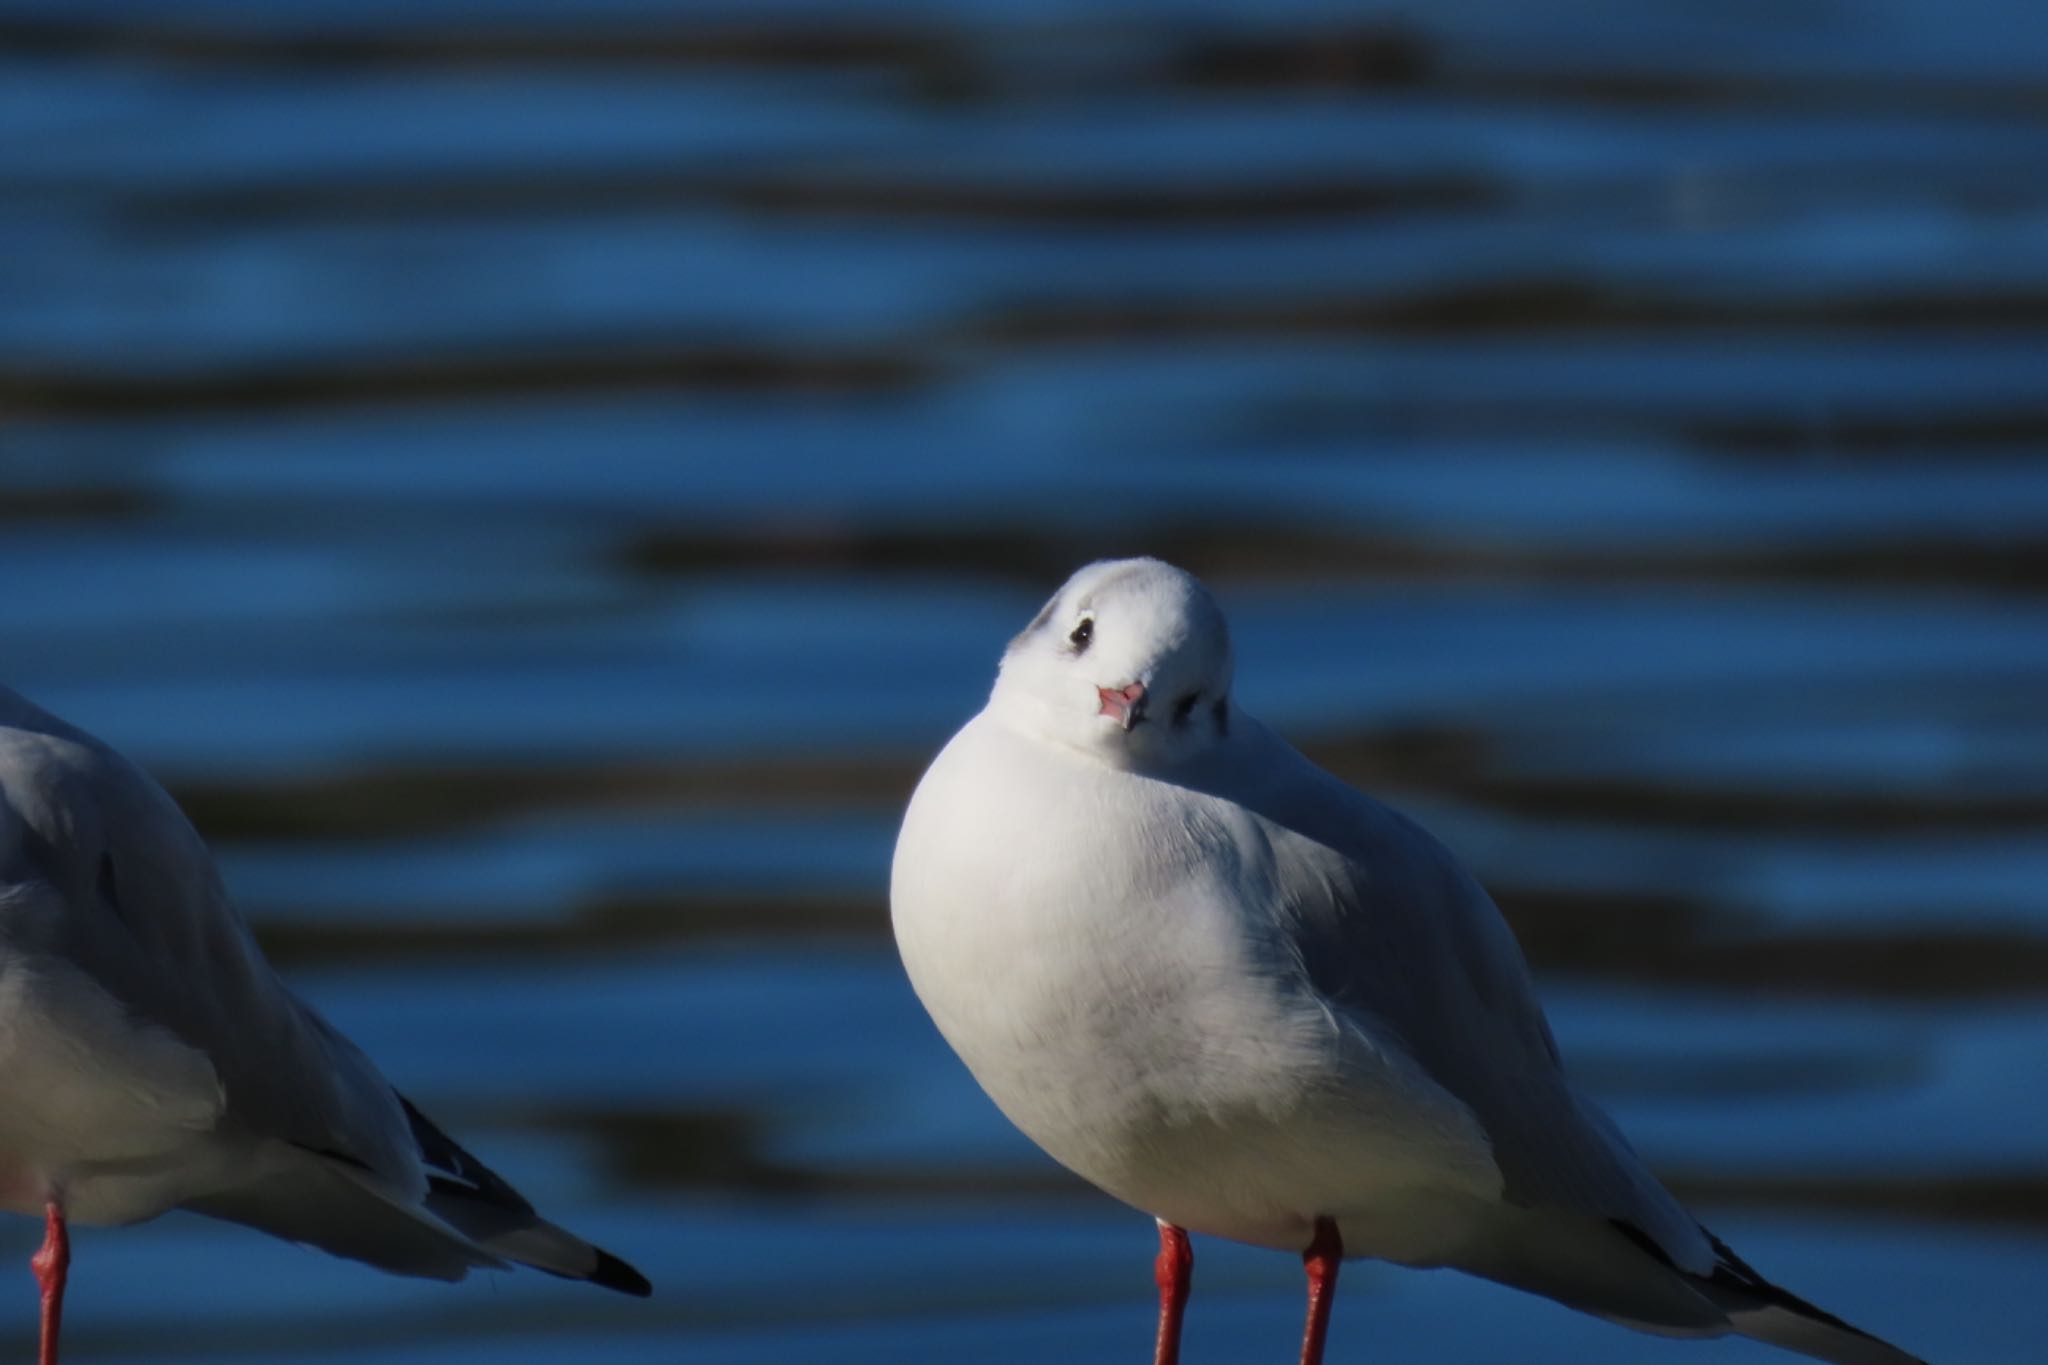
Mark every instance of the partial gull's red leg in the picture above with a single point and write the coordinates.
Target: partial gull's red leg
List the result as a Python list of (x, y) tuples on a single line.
[(1174, 1269), (1322, 1258), (51, 1265)]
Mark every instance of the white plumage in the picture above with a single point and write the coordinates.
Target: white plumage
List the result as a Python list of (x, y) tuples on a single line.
[(1238, 994)]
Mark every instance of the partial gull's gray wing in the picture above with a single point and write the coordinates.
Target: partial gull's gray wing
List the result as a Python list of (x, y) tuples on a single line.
[(102, 875), (113, 881), (1389, 925)]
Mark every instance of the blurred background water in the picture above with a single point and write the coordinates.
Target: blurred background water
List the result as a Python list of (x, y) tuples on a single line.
[(538, 481)]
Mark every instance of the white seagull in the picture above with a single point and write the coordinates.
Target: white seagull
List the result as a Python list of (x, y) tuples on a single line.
[(1237, 994), (150, 1058)]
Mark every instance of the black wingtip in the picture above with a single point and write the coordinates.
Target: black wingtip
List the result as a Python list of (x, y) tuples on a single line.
[(613, 1273)]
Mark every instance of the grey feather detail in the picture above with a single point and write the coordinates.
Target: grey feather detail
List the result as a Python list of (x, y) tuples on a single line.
[(1795, 1331), (1592, 1266), (347, 1211), (1760, 1309), (534, 1242), (1584, 1222), (471, 1197), (1392, 928)]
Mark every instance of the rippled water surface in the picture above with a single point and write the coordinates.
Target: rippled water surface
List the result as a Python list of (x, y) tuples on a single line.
[(538, 489)]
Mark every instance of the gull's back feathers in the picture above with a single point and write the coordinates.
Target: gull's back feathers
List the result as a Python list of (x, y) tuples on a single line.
[(1392, 927)]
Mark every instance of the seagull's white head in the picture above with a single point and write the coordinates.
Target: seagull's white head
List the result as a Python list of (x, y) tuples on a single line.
[(1129, 661)]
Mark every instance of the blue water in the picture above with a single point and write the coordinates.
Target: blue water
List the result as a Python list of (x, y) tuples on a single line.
[(538, 489)]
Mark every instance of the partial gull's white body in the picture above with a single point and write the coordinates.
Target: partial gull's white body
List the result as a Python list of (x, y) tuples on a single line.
[(1241, 996), (151, 1059)]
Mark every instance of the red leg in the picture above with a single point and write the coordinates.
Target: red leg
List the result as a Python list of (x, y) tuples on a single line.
[(1174, 1269), (1322, 1258), (50, 1265)]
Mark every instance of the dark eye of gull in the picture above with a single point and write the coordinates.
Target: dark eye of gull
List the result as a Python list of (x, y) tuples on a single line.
[(1184, 708), (1083, 633)]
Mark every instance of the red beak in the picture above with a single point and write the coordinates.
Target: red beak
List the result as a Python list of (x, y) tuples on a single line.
[(1124, 705)]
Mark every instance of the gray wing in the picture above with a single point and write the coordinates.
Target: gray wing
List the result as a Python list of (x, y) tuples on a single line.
[(1390, 926), (109, 877), (101, 872), (1392, 930)]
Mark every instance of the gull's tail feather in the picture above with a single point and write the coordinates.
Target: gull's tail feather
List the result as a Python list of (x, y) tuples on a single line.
[(536, 1243), (467, 1217), (1619, 1272), (1757, 1308), (473, 1199)]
